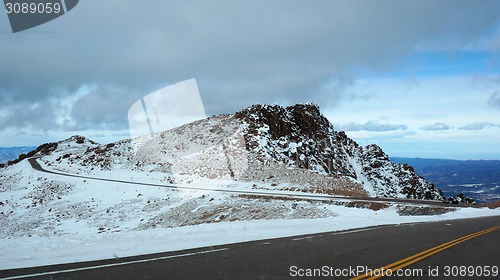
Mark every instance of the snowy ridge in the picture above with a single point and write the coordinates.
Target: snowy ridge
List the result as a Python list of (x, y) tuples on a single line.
[(252, 145), (215, 148)]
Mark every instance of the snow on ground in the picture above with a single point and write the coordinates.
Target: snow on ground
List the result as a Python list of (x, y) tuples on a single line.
[(366, 184), (50, 219), (85, 246)]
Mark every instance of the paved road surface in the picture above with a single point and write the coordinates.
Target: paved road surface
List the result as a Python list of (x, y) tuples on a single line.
[(283, 258)]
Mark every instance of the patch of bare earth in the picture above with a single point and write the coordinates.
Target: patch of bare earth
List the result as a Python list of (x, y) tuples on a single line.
[(406, 210), (492, 205), (271, 198), (375, 206)]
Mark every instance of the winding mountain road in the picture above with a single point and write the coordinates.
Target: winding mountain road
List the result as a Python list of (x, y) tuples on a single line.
[(35, 165)]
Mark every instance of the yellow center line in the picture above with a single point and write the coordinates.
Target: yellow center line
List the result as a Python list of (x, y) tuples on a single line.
[(422, 255)]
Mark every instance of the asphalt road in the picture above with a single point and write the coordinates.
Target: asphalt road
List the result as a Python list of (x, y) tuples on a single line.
[(334, 252), (35, 165)]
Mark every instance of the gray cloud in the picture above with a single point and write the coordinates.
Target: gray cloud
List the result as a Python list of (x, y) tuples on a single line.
[(494, 100), (241, 52), (371, 126), (436, 126), (25, 114), (103, 108), (478, 126)]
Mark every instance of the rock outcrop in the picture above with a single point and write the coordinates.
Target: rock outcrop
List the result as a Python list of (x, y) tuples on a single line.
[(301, 136)]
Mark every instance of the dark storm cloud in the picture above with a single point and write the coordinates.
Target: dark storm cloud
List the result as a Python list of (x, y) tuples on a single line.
[(240, 52), (436, 126), (26, 114), (371, 126)]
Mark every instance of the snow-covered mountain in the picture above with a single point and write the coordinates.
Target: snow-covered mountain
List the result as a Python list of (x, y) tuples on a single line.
[(287, 146)]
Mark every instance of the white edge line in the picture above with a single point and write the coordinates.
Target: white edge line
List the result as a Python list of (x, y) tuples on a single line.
[(302, 238), (357, 230), (113, 264), (338, 233)]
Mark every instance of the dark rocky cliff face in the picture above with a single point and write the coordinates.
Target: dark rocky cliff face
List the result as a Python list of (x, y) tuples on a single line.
[(301, 136)]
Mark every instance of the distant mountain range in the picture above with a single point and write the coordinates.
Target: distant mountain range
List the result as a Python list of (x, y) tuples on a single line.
[(478, 179), (12, 153)]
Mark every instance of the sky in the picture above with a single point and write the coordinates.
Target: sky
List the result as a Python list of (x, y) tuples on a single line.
[(419, 78)]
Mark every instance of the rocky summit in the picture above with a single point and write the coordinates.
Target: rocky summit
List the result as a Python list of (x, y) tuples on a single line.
[(301, 136)]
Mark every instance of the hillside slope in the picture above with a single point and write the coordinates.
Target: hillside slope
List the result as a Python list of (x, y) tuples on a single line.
[(260, 143)]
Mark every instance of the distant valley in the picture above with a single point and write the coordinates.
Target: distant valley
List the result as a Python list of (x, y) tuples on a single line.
[(12, 153), (478, 179)]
